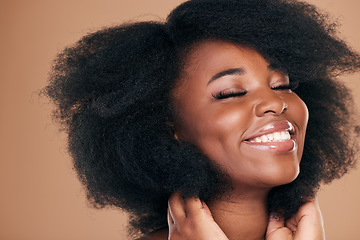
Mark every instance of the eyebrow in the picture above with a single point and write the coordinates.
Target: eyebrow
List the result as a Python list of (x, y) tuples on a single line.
[(274, 67), (240, 71), (231, 71)]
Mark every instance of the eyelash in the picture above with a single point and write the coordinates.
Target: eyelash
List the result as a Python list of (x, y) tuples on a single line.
[(222, 95)]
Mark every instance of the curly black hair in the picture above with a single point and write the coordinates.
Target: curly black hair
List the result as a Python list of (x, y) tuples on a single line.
[(112, 92)]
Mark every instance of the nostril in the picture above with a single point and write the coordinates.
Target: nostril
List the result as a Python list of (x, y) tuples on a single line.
[(269, 111), (270, 107)]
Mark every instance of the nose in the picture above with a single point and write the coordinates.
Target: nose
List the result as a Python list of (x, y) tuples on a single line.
[(270, 103)]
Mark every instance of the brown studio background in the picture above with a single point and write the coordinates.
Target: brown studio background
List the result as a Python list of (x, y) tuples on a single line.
[(40, 197)]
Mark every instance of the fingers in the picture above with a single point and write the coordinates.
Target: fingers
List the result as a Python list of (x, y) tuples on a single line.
[(170, 219), (180, 208), (190, 218), (308, 222), (274, 224), (176, 207), (310, 212), (276, 229), (206, 209), (193, 206)]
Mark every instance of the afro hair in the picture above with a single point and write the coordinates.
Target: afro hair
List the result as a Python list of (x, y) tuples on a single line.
[(112, 92)]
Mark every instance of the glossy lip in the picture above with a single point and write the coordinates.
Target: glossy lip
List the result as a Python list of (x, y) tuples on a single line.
[(272, 128), (281, 146)]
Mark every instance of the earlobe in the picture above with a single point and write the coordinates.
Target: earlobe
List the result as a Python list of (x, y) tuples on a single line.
[(176, 136), (172, 130)]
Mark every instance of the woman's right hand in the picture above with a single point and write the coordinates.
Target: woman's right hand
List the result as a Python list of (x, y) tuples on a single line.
[(191, 218)]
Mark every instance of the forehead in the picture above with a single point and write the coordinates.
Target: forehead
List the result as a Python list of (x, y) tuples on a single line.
[(209, 57)]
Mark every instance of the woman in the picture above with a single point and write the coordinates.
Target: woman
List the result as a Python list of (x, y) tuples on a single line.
[(196, 126)]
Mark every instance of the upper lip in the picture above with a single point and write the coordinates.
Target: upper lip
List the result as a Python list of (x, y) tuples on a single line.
[(273, 127)]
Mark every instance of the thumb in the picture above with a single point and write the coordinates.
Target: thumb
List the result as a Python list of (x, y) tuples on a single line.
[(276, 229), (275, 223)]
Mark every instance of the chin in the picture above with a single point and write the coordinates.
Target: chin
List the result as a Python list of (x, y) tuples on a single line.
[(283, 169), (277, 174), (283, 176)]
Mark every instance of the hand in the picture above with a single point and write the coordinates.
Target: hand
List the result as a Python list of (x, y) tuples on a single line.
[(191, 219), (306, 224)]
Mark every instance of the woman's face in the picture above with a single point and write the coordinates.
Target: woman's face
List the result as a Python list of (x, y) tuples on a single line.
[(239, 112)]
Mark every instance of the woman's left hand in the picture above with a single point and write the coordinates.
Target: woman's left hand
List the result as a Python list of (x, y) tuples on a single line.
[(306, 224)]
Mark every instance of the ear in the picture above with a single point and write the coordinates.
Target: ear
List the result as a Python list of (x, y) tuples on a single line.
[(173, 133), (176, 136)]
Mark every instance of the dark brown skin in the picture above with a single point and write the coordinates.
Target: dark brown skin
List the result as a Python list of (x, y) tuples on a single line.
[(224, 127)]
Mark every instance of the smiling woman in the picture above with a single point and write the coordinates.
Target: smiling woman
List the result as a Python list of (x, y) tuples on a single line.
[(220, 123), (243, 117)]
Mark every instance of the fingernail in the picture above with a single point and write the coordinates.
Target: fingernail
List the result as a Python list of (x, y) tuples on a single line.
[(274, 217)]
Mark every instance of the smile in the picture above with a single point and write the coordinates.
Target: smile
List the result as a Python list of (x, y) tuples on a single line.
[(276, 136), (272, 137)]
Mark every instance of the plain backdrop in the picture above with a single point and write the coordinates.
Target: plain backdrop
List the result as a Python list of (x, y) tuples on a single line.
[(40, 196)]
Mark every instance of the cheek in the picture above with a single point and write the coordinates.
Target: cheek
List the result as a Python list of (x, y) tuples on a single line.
[(219, 135), (299, 112), (230, 118), (216, 130), (227, 122)]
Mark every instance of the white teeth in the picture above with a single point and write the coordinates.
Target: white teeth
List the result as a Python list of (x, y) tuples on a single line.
[(270, 136), (273, 137), (284, 135), (264, 138), (277, 136)]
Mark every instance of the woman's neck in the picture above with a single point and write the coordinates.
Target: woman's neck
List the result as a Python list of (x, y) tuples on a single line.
[(242, 217)]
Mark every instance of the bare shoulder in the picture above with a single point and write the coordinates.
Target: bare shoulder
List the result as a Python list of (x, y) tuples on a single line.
[(161, 234)]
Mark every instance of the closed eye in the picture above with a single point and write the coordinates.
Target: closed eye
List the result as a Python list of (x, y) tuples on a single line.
[(231, 94), (292, 86), (228, 94)]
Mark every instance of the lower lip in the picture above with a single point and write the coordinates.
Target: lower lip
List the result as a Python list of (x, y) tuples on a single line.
[(281, 147)]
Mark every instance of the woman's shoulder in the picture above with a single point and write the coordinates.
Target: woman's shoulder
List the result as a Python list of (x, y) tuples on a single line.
[(161, 234)]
